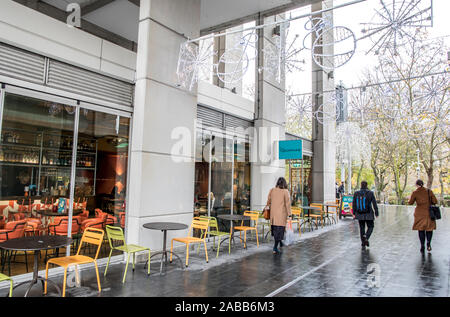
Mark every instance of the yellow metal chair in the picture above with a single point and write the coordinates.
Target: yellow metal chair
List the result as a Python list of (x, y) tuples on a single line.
[(4, 278), (90, 236), (297, 217), (254, 215), (215, 232), (333, 213), (201, 224), (316, 216)]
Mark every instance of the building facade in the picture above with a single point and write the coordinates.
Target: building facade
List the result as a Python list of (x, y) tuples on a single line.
[(95, 115)]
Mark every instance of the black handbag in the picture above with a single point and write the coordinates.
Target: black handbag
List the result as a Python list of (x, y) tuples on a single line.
[(435, 212)]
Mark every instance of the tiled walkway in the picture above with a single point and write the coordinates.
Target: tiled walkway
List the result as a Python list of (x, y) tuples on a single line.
[(325, 264)]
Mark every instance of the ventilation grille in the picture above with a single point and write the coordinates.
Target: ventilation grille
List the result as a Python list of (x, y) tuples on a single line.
[(20, 64), (217, 119), (210, 117), (233, 122), (90, 84)]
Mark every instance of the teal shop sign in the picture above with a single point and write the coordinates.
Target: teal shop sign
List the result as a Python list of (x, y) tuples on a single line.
[(347, 199), (290, 150)]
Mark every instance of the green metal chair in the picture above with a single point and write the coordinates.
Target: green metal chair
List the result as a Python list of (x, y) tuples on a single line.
[(4, 278), (115, 234), (214, 231)]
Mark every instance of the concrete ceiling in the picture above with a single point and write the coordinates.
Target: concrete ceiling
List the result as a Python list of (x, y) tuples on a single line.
[(216, 12), (100, 16)]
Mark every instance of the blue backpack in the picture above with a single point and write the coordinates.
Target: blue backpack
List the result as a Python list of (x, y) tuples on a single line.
[(361, 203)]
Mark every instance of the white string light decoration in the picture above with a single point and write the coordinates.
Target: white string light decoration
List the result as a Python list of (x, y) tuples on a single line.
[(236, 60), (334, 46), (395, 22), (194, 61), (343, 47), (284, 55), (325, 116), (350, 137), (300, 104), (433, 91)]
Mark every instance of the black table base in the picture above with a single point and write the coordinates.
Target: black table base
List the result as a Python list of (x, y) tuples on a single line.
[(233, 242), (37, 278), (164, 252)]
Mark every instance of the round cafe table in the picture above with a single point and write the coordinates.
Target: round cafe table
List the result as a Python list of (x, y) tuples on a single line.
[(50, 213), (36, 244), (164, 227), (232, 218)]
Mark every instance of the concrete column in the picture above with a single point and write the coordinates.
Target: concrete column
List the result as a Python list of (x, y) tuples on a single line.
[(270, 123), (323, 165), (161, 189)]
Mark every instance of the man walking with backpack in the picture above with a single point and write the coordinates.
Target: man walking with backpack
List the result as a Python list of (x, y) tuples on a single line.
[(363, 200)]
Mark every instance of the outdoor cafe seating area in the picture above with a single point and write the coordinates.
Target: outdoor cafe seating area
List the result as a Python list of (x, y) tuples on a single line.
[(103, 234)]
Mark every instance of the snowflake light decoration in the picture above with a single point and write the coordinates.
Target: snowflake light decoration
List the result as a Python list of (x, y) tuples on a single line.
[(433, 91), (396, 21), (284, 55), (299, 104), (350, 137), (194, 61)]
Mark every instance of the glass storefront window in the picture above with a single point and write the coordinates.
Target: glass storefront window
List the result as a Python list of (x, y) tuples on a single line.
[(36, 153), (222, 168), (300, 181), (221, 177), (102, 160), (201, 186), (241, 177)]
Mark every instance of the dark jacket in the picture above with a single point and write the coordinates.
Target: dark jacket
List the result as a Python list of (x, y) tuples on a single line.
[(371, 201), (341, 189)]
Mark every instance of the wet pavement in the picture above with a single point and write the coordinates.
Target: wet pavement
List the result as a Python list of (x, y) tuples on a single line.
[(326, 262)]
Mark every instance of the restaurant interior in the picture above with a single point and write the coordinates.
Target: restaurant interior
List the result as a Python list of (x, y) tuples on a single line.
[(39, 141)]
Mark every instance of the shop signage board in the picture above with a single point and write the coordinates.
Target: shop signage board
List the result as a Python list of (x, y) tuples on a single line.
[(347, 199), (290, 150)]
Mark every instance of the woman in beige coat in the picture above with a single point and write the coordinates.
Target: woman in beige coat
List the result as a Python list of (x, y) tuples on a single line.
[(422, 219), (279, 202)]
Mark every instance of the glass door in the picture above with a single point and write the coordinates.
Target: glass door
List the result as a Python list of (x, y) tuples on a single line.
[(221, 178), (101, 164)]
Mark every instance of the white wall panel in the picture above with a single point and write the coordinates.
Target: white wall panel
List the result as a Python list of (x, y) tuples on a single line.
[(28, 29)]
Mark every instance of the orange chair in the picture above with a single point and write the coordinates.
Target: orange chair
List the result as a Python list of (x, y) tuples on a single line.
[(90, 236), (34, 227), (317, 216), (2, 222), (99, 223), (84, 216), (253, 215), (60, 226), (201, 224), (110, 219), (13, 230), (122, 219)]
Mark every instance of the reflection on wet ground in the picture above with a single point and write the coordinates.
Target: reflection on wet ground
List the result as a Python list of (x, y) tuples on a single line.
[(329, 264)]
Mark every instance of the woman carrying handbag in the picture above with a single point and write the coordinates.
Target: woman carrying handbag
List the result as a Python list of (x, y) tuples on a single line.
[(279, 206), (423, 222)]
